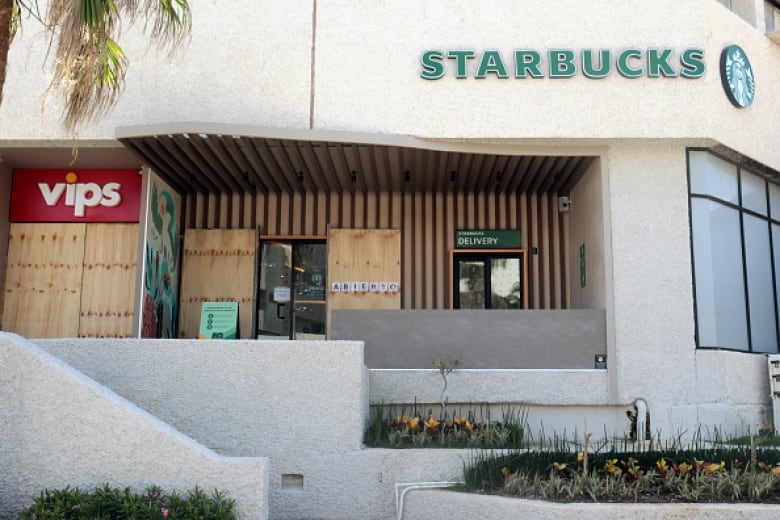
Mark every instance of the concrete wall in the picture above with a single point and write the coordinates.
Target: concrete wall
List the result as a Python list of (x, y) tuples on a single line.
[(655, 356), (367, 78), (59, 428), (587, 227), (477, 339), (424, 504), (5, 203), (245, 398)]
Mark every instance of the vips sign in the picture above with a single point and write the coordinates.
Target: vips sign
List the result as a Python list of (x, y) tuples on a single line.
[(75, 196)]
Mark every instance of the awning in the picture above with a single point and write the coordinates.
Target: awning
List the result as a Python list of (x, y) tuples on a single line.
[(221, 158)]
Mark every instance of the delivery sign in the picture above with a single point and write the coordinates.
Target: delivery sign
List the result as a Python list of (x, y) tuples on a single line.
[(75, 196)]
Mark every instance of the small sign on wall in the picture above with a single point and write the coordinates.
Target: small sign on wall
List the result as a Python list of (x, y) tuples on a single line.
[(487, 239), (219, 320)]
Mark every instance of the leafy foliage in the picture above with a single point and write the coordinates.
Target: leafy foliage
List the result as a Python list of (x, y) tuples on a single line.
[(699, 474), (107, 503), (389, 429)]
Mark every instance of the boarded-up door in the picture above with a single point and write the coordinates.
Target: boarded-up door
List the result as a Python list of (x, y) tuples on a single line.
[(364, 269), (219, 265), (70, 280), (43, 280), (108, 289)]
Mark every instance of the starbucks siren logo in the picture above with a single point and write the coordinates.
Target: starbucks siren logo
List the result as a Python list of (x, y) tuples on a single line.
[(736, 74)]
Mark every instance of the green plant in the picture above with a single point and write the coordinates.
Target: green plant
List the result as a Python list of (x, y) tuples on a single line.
[(392, 428), (698, 473), (107, 503)]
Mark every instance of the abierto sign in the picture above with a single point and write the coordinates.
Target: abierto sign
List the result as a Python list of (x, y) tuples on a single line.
[(75, 196)]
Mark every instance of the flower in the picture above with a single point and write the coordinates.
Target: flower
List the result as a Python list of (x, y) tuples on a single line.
[(432, 424), (463, 423), (164, 512), (75, 507)]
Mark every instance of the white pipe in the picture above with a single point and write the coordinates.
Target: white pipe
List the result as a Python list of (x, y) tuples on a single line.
[(403, 487), (641, 419)]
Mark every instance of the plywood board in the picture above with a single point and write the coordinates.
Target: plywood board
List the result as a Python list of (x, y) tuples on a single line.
[(43, 280), (108, 287), (357, 260), (219, 265)]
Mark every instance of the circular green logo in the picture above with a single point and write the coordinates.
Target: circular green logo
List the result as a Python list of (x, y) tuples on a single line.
[(736, 75)]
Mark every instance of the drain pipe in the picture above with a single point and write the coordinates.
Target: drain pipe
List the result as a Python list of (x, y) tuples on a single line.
[(402, 487), (641, 419)]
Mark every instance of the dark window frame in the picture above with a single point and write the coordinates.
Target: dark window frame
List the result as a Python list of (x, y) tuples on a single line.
[(768, 218)]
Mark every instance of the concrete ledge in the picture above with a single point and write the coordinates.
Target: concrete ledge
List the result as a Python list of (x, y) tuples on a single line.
[(547, 387), (425, 504)]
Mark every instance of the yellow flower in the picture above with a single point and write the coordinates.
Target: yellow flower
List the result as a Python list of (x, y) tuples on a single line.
[(685, 468), (661, 466), (612, 468), (559, 466), (432, 424), (414, 424)]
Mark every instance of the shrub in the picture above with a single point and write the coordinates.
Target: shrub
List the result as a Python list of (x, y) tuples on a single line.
[(719, 474), (390, 429), (107, 503)]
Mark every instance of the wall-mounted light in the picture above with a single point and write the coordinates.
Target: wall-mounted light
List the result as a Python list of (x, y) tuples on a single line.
[(354, 177), (564, 204), (407, 176), (300, 177)]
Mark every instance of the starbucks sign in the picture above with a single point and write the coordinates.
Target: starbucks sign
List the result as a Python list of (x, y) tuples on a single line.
[(736, 75)]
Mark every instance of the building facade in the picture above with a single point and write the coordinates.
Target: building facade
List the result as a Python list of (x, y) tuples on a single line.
[(562, 190)]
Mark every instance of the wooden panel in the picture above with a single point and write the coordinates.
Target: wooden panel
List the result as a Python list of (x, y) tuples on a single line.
[(364, 256), (428, 222), (219, 265), (108, 287), (43, 280)]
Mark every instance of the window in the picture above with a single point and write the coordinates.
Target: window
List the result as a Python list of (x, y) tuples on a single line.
[(489, 281), (772, 15), (735, 244)]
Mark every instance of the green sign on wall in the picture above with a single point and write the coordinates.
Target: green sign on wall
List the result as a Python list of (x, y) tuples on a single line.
[(219, 320), (487, 239)]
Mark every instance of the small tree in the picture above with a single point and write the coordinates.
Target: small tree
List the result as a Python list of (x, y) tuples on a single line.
[(445, 368)]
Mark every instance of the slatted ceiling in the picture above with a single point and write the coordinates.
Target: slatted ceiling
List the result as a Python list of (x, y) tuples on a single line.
[(227, 162), (219, 163)]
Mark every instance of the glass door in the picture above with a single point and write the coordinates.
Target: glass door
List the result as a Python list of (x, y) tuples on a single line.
[(488, 281), (291, 296)]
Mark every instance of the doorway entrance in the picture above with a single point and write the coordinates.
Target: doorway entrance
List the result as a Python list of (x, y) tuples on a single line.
[(291, 295), (487, 280)]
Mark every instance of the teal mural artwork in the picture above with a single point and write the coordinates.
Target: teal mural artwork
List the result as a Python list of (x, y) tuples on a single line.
[(160, 312)]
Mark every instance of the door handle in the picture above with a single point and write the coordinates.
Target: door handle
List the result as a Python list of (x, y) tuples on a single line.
[(279, 314)]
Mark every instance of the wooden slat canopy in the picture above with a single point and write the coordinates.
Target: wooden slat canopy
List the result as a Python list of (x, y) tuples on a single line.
[(209, 158)]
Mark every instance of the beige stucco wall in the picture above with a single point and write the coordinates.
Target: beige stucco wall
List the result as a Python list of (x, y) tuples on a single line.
[(654, 355), (59, 428), (366, 73), (373, 65), (423, 504), (587, 226), (5, 202)]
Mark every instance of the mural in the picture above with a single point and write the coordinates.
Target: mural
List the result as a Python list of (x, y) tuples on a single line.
[(161, 270)]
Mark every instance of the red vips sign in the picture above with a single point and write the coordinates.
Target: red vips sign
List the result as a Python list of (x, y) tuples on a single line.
[(75, 196)]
